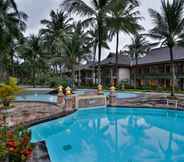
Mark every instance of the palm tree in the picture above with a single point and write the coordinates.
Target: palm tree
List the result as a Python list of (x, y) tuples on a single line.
[(14, 5), (32, 53), (12, 24), (95, 13), (53, 33), (57, 27), (169, 28), (93, 33), (76, 48), (138, 47), (123, 18)]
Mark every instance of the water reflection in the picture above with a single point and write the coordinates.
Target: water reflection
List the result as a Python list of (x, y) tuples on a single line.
[(101, 136)]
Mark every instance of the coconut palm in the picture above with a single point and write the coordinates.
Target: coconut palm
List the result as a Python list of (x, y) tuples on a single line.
[(95, 13), (169, 28), (123, 18), (57, 27), (12, 24), (139, 47), (33, 55), (14, 5), (93, 33), (75, 48)]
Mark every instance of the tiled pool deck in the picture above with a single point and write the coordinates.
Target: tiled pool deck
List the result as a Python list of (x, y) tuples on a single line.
[(30, 113)]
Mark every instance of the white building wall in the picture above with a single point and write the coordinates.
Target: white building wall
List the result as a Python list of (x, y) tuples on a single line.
[(124, 74)]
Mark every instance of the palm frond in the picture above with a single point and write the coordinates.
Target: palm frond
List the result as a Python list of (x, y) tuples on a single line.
[(77, 7)]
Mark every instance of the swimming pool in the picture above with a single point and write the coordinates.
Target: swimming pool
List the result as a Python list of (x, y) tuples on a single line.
[(114, 135), (45, 97)]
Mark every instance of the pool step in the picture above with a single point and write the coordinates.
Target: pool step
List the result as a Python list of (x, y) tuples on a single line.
[(40, 153)]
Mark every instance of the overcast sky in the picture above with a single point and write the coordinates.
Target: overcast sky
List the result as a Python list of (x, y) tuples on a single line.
[(40, 9)]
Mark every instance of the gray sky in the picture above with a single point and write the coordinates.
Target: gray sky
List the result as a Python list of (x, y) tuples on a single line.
[(40, 9)]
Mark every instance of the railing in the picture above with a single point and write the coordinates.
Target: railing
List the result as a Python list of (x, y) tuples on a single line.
[(158, 75)]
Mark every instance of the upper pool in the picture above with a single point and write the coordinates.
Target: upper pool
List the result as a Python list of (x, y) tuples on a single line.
[(37, 96), (122, 95), (45, 97), (114, 135)]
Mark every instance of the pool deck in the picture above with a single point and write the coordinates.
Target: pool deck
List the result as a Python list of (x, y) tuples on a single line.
[(29, 113)]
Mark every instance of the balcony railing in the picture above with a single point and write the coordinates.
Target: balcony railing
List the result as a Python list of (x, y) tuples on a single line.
[(158, 76)]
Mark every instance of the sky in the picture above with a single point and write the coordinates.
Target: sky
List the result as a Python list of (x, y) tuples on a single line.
[(40, 9)]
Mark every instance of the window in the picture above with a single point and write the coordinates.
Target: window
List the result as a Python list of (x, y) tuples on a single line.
[(168, 68)]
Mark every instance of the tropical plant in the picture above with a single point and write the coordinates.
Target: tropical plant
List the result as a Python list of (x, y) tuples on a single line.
[(75, 49), (57, 28), (14, 5), (123, 17), (53, 33), (8, 91), (93, 34), (139, 47), (12, 24), (33, 54), (95, 15), (169, 29), (15, 145)]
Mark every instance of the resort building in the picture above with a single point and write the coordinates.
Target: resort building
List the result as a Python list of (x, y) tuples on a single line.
[(89, 71), (153, 70)]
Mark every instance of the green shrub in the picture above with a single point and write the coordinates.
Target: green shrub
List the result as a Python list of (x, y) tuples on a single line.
[(56, 81)]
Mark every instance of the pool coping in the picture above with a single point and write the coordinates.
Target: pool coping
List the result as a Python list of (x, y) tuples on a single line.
[(147, 107), (50, 118), (30, 101)]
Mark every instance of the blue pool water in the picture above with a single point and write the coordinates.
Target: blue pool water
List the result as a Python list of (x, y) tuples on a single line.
[(114, 135), (45, 97), (37, 96), (122, 95)]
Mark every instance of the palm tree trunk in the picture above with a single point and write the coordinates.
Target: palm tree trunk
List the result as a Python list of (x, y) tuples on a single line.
[(79, 76), (116, 64), (94, 60), (173, 71), (99, 50), (73, 76), (135, 72), (34, 77), (34, 72), (12, 63)]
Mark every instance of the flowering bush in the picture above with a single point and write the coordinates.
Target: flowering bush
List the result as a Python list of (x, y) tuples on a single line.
[(15, 145)]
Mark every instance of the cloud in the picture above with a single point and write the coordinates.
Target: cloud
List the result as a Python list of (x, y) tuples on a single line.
[(36, 10)]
